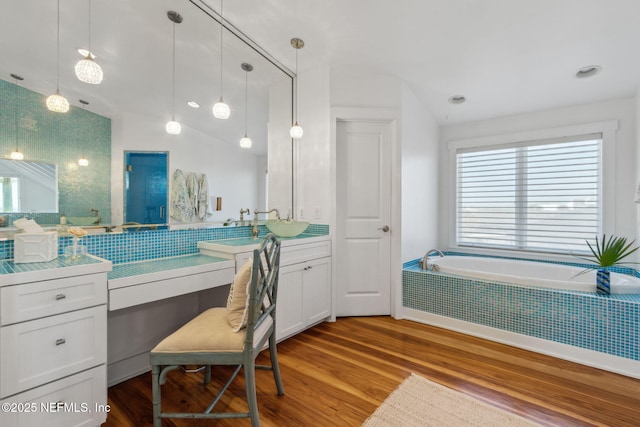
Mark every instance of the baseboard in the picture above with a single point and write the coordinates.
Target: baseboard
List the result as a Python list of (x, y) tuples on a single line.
[(125, 369)]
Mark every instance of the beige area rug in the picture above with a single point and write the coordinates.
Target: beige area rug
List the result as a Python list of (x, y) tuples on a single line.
[(420, 402)]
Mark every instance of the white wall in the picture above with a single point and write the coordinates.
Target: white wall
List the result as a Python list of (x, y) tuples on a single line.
[(232, 173), (637, 174), (420, 182), (279, 148), (622, 176), (312, 152)]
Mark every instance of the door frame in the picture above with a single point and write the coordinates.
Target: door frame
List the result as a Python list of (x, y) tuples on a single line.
[(391, 116)]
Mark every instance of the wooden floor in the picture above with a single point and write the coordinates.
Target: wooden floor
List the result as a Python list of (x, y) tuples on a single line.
[(337, 374)]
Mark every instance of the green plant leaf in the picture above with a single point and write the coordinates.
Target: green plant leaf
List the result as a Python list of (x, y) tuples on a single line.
[(610, 252)]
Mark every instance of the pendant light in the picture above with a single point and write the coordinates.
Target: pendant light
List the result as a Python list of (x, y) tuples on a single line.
[(172, 126), (56, 102), (83, 160), (88, 70), (246, 141), (296, 130), (16, 155), (221, 109)]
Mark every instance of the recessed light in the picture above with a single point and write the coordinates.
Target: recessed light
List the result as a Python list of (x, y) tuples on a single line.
[(193, 104), (588, 71), (85, 52), (457, 99)]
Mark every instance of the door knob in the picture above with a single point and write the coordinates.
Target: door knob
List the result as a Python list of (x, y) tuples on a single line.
[(385, 228)]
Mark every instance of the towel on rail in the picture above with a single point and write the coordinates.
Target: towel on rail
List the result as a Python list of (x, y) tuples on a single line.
[(180, 207)]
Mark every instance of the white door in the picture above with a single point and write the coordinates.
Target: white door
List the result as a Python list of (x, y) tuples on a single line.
[(363, 213)]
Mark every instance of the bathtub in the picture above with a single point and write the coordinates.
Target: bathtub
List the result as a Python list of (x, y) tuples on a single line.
[(530, 273)]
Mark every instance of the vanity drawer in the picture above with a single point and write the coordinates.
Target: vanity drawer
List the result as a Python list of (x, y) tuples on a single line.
[(293, 254), (43, 350), (39, 299), (78, 400), (299, 253)]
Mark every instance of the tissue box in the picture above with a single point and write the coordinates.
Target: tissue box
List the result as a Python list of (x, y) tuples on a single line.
[(35, 247)]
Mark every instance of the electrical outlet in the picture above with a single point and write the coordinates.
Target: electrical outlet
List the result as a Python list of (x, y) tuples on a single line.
[(301, 213), (316, 214)]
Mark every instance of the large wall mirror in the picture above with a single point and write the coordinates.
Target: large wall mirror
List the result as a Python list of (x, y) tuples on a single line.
[(133, 42), (28, 187)]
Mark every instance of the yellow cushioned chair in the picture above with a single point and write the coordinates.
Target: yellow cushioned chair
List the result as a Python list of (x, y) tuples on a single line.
[(210, 338)]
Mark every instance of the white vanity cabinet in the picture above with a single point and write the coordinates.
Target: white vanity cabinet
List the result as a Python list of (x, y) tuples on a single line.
[(304, 285), (53, 343), (304, 296)]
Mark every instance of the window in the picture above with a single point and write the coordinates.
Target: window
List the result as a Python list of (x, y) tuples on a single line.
[(9, 194), (535, 195)]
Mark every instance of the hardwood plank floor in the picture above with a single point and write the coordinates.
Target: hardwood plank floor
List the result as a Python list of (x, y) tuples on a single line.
[(337, 374)]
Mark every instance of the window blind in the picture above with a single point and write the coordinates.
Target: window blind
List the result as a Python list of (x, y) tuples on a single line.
[(535, 195)]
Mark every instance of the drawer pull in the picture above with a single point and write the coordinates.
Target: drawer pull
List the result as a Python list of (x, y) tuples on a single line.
[(60, 296), (60, 341), (308, 268)]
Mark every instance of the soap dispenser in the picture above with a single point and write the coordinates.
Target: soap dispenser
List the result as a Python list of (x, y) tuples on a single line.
[(63, 220)]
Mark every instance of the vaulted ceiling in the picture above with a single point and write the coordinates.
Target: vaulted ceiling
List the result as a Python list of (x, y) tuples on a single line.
[(505, 56)]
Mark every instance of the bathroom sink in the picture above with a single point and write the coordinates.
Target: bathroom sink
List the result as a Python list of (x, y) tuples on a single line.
[(286, 228)]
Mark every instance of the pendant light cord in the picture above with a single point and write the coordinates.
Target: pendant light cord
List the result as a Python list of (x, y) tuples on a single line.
[(58, 53), (296, 119), (246, 101), (173, 83), (221, 35), (16, 112), (90, 53)]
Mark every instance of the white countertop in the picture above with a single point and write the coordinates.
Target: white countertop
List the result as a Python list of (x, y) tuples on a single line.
[(15, 274), (247, 244)]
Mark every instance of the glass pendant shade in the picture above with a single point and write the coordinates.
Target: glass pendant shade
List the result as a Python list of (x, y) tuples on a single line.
[(83, 161), (221, 110), (245, 142), (88, 71), (173, 127), (57, 103), (17, 155), (296, 131)]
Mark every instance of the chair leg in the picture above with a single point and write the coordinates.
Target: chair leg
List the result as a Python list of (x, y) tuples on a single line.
[(275, 367), (207, 374), (155, 395), (250, 386)]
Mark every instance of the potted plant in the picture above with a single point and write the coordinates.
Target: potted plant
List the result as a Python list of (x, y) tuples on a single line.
[(608, 253)]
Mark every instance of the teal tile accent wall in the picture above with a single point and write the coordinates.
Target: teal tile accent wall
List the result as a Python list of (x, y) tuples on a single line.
[(146, 245), (608, 325), (60, 138)]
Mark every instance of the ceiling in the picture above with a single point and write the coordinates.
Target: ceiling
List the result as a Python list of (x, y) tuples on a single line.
[(133, 43), (505, 56)]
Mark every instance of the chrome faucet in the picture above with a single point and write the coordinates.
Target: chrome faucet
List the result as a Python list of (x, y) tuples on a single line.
[(255, 231), (242, 212), (97, 215), (424, 264)]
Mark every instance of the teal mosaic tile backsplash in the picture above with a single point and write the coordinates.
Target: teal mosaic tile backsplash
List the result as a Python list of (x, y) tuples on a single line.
[(60, 138), (146, 245)]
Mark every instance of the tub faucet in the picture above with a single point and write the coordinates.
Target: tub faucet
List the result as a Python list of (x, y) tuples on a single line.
[(424, 264), (255, 230)]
